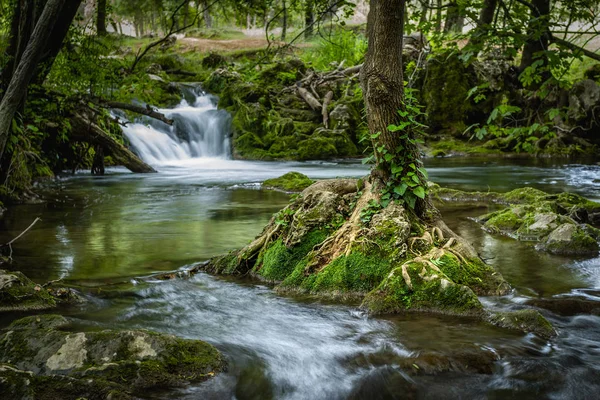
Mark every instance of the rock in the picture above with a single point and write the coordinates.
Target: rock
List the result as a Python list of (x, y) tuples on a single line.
[(570, 239), (290, 182), (528, 321), (543, 223), (213, 60), (154, 69), (155, 78), (168, 43), (19, 293), (340, 117), (567, 306), (384, 383), (131, 360), (583, 98)]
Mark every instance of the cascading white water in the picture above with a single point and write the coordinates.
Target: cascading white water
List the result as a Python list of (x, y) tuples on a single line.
[(199, 130)]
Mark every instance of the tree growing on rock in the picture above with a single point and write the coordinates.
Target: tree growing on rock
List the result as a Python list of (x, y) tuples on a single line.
[(379, 239)]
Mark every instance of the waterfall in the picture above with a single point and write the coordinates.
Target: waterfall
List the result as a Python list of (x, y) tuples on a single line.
[(199, 130)]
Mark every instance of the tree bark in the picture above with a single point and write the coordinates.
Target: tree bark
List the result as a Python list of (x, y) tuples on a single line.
[(101, 18), (207, 17), (438, 16), (537, 33), (486, 17), (383, 89), (454, 19), (284, 21), (309, 19), (26, 67)]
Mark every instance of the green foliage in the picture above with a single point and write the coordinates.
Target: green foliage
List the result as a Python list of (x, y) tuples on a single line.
[(341, 45), (407, 177)]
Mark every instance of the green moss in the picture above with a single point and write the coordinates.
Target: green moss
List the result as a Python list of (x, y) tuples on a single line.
[(530, 321), (23, 294), (448, 147), (445, 93), (504, 221), (226, 264), (434, 294), (278, 261), (524, 195), (475, 274), (291, 182), (355, 273)]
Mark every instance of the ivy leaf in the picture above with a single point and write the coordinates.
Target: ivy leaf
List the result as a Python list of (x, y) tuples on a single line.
[(419, 192), (400, 190)]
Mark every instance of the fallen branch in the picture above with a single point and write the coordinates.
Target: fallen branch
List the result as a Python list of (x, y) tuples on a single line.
[(87, 131), (309, 98), (9, 244), (148, 110), (574, 48)]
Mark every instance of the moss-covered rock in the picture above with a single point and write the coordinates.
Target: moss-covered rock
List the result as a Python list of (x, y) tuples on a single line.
[(559, 223), (335, 240), (131, 361), (570, 239), (17, 292), (290, 182), (529, 321)]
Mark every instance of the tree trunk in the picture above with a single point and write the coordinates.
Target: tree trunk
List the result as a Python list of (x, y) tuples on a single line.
[(486, 17), (284, 22), (438, 16), (101, 18), (25, 70), (87, 131), (309, 19), (454, 20), (207, 17), (25, 16), (537, 33), (383, 90)]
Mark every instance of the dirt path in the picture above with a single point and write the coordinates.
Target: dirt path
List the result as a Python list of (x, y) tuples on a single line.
[(208, 45)]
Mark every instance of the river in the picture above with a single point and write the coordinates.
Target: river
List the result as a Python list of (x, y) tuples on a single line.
[(104, 235)]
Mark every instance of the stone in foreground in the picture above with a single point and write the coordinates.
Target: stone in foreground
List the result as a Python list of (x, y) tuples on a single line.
[(39, 356)]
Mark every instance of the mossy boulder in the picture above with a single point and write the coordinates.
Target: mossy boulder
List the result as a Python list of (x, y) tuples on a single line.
[(445, 92), (131, 361), (570, 239), (19, 293), (290, 182), (559, 223), (530, 321)]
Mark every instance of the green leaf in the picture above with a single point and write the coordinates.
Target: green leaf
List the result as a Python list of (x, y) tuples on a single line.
[(400, 190), (419, 192)]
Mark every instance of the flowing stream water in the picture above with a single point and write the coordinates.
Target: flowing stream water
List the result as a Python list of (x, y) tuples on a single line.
[(103, 234)]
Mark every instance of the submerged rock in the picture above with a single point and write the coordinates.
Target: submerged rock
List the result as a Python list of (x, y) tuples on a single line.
[(290, 182), (530, 321), (97, 364)]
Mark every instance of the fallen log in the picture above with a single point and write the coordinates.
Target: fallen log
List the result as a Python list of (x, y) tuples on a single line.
[(87, 131), (148, 110)]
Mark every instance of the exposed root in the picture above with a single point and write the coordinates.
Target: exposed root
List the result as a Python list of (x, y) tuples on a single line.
[(343, 240)]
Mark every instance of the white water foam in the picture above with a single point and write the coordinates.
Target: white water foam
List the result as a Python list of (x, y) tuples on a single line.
[(199, 131)]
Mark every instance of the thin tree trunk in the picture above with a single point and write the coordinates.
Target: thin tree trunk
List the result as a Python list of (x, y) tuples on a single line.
[(486, 17), (25, 70), (284, 22), (309, 19), (438, 17), (537, 32), (207, 17), (101, 18)]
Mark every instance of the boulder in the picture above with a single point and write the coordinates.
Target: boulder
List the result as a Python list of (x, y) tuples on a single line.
[(570, 239), (19, 293), (129, 361)]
